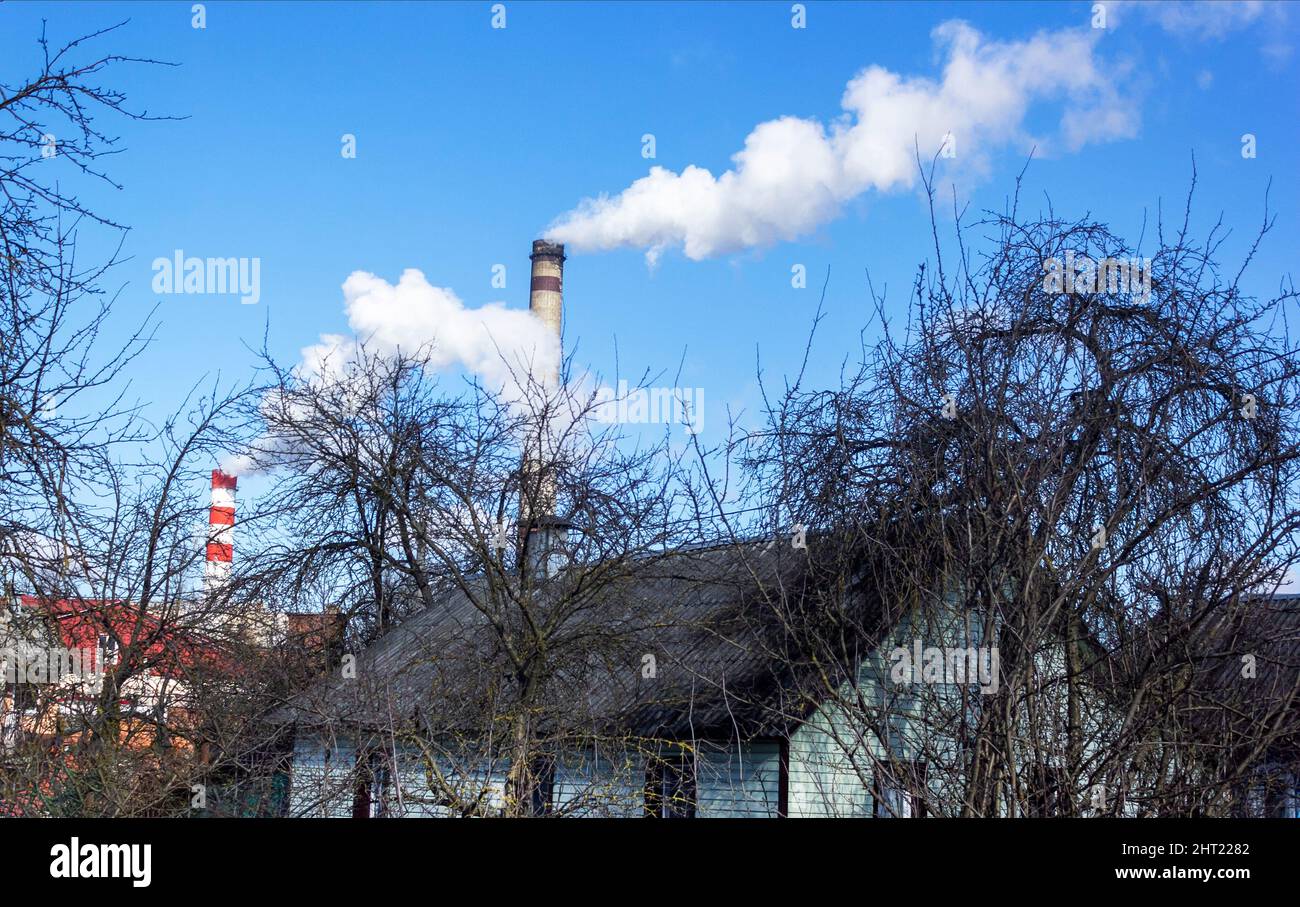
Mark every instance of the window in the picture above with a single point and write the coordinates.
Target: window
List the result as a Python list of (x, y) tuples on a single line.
[(670, 785), (139, 706), (369, 797), (25, 698), (897, 788), (16, 715), (1270, 796), (379, 791), (108, 646), (543, 787), (1049, 796)]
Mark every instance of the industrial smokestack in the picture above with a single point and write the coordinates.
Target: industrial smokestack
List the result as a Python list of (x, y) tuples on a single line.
[(545, 534), (546, 296), (221, 532), (546, 302)]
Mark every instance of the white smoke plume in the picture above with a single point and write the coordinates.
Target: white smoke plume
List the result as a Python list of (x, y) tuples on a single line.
[(794, 174), (506, 348)]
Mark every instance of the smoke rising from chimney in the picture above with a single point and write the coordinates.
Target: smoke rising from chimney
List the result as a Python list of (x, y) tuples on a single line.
[(794, 174)]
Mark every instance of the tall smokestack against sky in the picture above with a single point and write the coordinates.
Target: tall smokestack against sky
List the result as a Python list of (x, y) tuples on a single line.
[(794, 174), (546, 303), (221, 532), (546, 291)]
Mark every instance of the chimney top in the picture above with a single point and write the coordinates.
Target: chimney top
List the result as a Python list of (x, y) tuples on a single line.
[(222, 480), (544, 249)]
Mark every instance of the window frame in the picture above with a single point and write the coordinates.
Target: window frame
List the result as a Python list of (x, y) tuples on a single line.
[(889, 782), (672, 784)]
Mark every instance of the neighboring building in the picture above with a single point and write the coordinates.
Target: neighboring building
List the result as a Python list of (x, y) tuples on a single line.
[(59, 669), (181, 690), (1254, 657)]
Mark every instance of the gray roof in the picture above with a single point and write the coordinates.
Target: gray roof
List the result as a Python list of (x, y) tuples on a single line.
[(1232, 705), (714, 619)]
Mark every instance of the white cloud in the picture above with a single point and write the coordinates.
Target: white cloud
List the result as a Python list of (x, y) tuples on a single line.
[(1199, 18), (509, 349), (1213, 20), (794, 174)]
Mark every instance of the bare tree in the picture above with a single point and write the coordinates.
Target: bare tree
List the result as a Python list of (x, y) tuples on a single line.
[(101, 531), (53, 306), (1077, 452), (507, 528)]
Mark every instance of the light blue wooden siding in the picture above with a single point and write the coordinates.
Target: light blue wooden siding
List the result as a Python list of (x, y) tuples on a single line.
[(321, 781), (731, 781), (738, 781), (827, 778), (600, 784), (835, 753), (411, 793)]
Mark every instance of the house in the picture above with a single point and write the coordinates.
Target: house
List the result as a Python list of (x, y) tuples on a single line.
[(704, 703), (1250, 656), (735, 720)]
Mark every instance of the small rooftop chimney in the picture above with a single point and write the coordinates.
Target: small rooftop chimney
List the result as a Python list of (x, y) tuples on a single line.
[(221, 532)]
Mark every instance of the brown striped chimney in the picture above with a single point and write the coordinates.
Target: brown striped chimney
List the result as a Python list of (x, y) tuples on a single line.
[(545, 533), (546, 293)]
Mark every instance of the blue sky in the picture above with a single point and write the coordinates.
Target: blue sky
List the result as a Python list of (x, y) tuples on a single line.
[(472, 140)]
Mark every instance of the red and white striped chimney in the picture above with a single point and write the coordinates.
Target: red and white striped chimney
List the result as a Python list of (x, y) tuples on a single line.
[(221, 531)]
